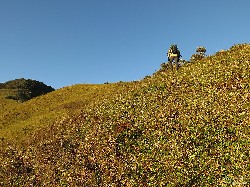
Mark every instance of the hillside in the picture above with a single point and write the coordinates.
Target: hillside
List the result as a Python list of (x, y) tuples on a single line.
[(185, 128), (24, 89), (18, 120)]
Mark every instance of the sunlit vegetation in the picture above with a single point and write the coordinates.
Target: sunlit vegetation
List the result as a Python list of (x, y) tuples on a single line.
[(201, 50), (19, 119), (200, 54), (185, 128)]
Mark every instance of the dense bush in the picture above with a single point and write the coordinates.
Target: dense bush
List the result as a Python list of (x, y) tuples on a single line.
[(201, 50), (200, 54), (26, 89), (196, 57)]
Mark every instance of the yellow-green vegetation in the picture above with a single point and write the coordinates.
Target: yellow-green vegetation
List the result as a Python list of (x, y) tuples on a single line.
[(18, 120), (6, 104), (185, 128)]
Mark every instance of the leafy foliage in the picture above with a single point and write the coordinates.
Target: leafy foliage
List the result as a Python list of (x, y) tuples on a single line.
[(185, 128), (164, 67), (25, 89), (200, 54), (201, 50)]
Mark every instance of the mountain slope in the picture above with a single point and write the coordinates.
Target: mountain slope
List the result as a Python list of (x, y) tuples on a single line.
[(21, 119), (186, 128)]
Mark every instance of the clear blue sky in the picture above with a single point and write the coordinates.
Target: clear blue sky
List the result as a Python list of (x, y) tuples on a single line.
[(66, 42)]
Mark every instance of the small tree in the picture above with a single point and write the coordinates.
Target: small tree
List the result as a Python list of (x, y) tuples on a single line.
[(201, 51), (200, 54)]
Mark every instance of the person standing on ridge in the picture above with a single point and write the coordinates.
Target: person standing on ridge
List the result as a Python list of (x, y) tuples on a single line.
[(173, 55)]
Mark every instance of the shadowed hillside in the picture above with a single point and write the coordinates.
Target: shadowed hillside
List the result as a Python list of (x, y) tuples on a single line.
[(24, 89), (185, 128)]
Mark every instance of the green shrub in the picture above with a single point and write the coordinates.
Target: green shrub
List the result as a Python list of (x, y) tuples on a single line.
[(200, 54)]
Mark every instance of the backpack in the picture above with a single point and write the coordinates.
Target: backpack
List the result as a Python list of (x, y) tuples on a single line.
[(174, 49)]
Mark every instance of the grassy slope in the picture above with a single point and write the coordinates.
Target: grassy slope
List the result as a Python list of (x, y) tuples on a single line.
[(6, 104), (18, 120), (188, 128)]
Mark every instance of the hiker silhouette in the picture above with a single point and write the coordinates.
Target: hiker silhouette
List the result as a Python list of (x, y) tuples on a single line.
[(173, 56)]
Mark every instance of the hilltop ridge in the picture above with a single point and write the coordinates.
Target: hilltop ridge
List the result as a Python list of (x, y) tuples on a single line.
[(185, 128), (24, 89)]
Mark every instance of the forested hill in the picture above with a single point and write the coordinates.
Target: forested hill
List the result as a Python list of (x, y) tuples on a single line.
[(185, 128), (24, 89)]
